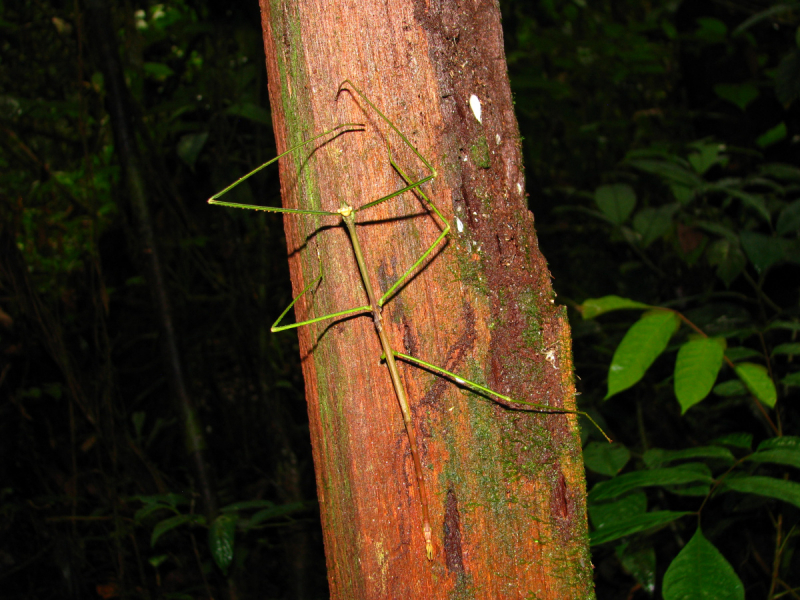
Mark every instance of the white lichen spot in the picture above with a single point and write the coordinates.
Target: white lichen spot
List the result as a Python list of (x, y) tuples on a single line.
[(475, 105), (497, 139), (519, 188), (459, 225)]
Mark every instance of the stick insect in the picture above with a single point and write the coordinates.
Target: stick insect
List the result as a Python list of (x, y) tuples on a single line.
[(347, 215)]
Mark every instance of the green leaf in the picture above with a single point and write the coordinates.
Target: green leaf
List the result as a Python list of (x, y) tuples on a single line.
[(789, 219), (783, 450), (633, 525), (190, 145), (683, 194), (790, 325), (772, 136), (652, 223), (701, 572), (157, 71), (793, 379), (220, 540), (696, 369), (173, 522), (603, 514), (706, 155), (741, 94), (762, 250), (655, 477), (779, 489), (616, 201), (642, 344), (593, 307), (736, 439), (604, 458), (791, 349), (786, 457), (658, 457), (757, 380)]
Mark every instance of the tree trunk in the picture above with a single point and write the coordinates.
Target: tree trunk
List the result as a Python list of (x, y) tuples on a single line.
[(506, 488)]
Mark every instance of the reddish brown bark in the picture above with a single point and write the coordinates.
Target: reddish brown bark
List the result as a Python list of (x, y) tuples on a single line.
[(507, 494)]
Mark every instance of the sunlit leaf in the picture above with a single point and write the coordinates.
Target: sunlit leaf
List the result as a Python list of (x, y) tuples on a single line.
[(757, 380), (696, 369), (597, 306), (642, 344)]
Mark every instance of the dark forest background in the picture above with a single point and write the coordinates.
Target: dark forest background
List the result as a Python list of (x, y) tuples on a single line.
[(661, 141)]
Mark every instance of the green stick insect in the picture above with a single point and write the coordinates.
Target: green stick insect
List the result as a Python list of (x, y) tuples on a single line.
[(347, 214)]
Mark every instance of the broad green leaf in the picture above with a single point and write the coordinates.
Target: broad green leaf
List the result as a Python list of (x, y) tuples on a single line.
[(593, 307), (603, 514), (783, 450), (173, 522), (736, 439), (220, 540), (616, 201), (696, 369), (655, 477), (793, 379), (652, 223), (710, 30), (790, 349), (683, 194), (740, 94), (790, 325), (158, 71), (757, 380), (791, 442), (706, 155), (642, 344), (658, 457), (772, 136), (779, 489), (633, 525), (789, 219), (786, 456), (190, 145), (700, 572), (640, 561), (604, 458), (762, 250)]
